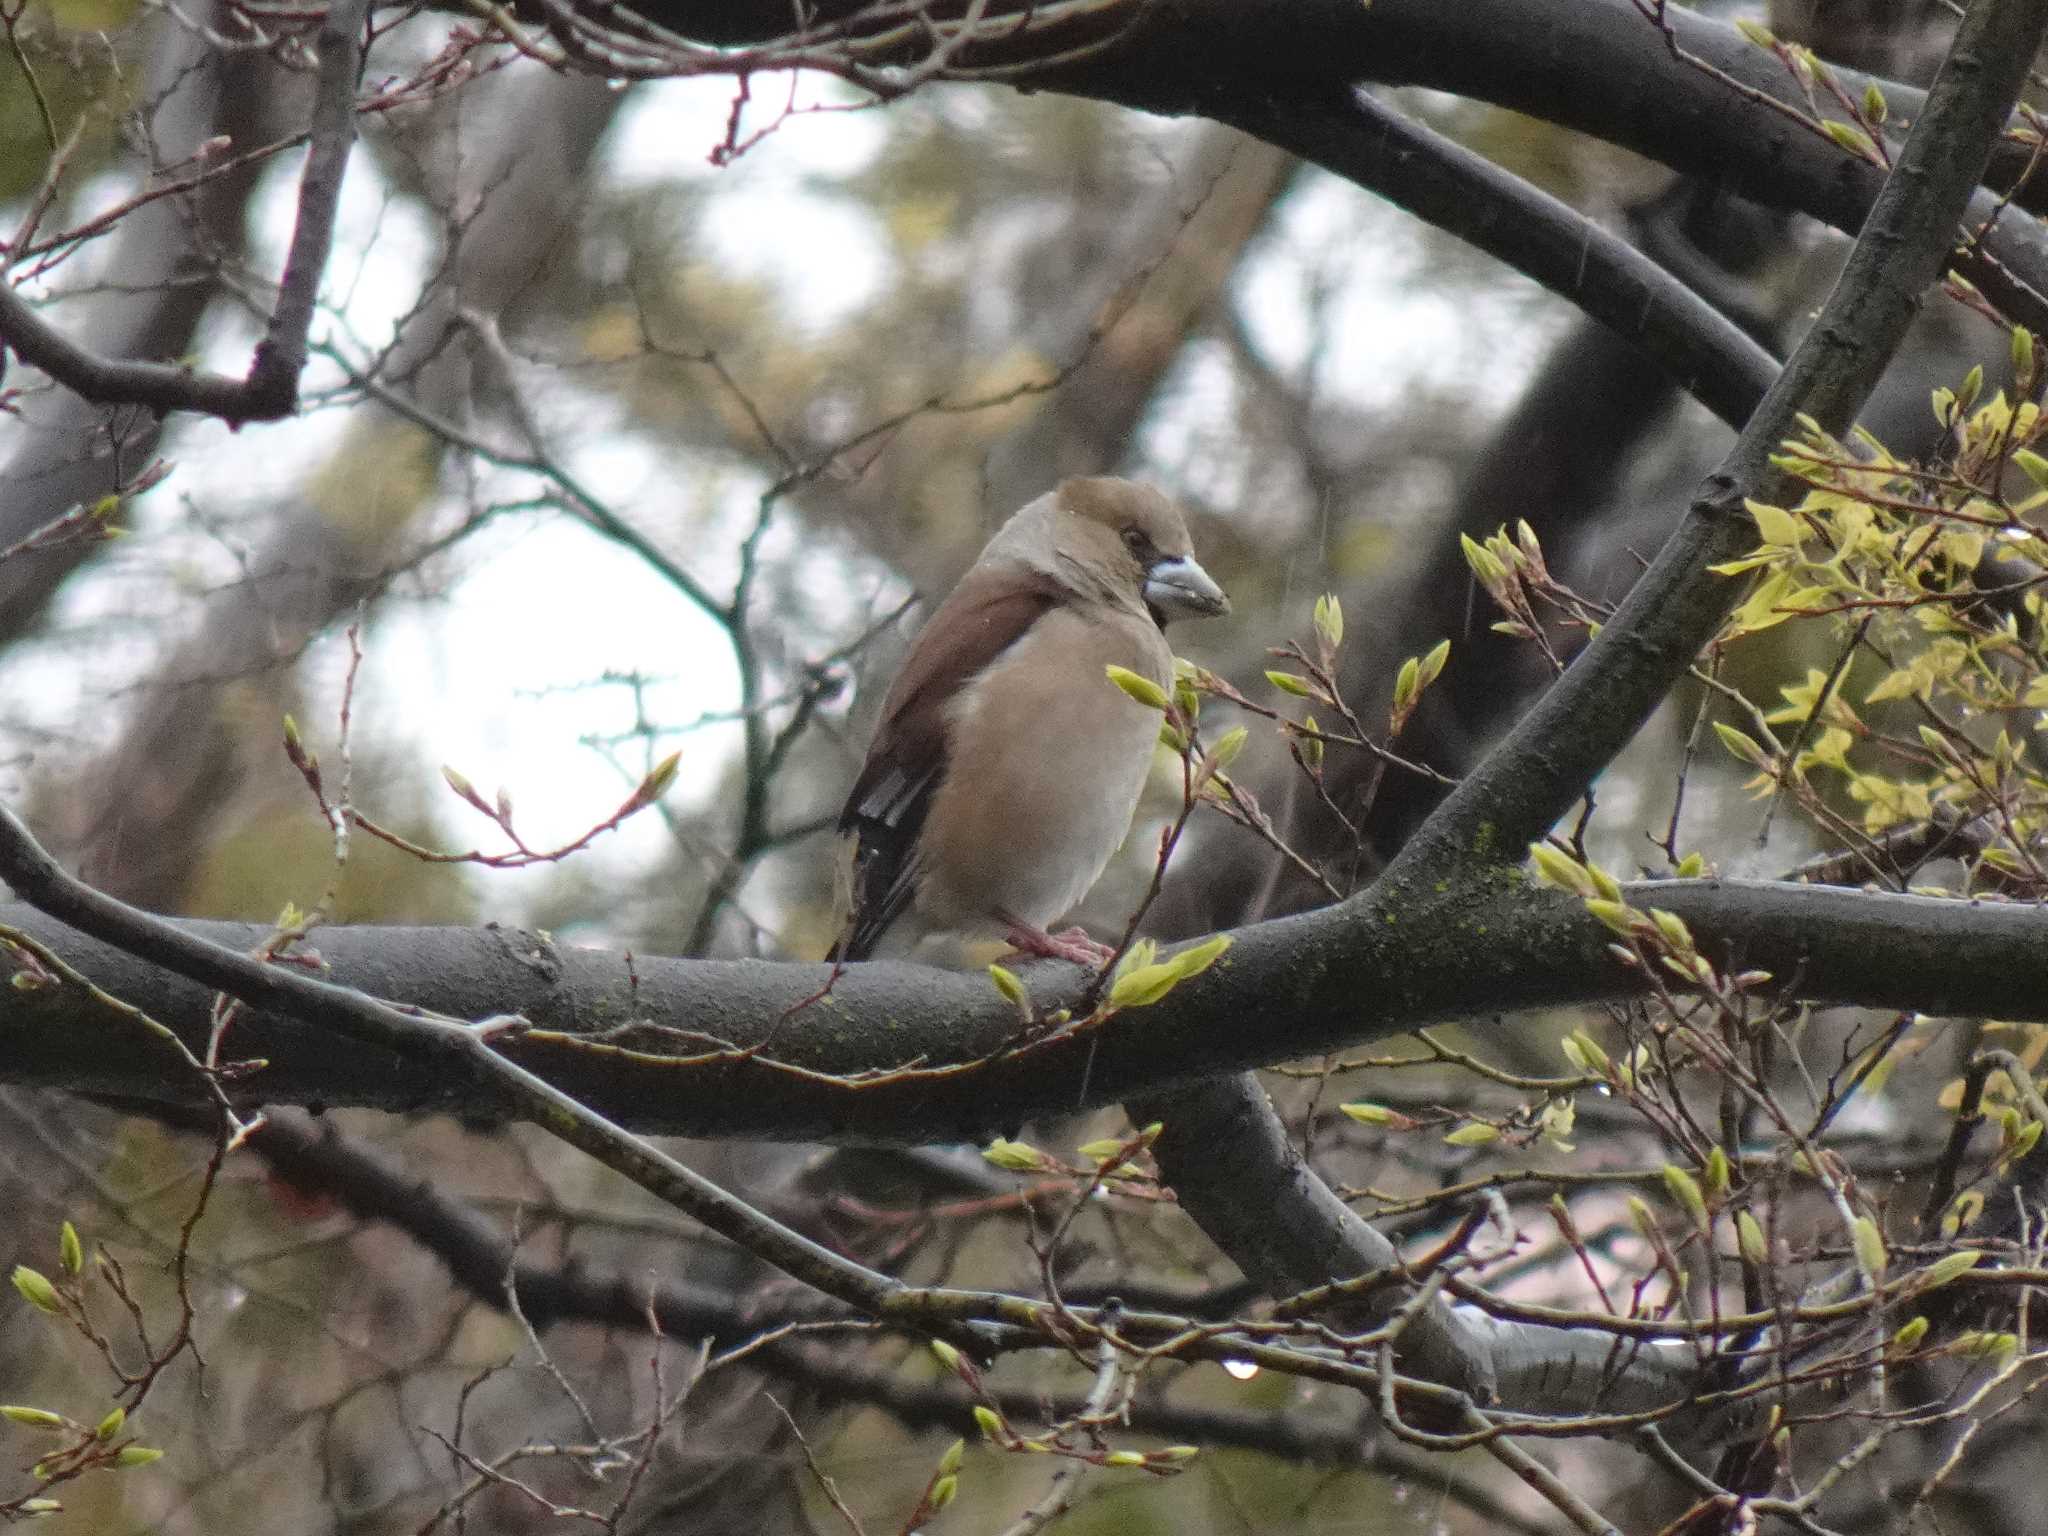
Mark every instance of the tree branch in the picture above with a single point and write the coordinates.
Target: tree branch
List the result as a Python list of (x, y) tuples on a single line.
[(1553, 755), (1467, 195), (902, 1054), (271, 389)]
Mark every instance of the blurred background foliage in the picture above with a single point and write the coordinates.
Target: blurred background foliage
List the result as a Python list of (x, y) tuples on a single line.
[(833, 366)]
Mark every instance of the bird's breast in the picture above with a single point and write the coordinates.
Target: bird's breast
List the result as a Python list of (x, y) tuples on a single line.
[(1049, 759)]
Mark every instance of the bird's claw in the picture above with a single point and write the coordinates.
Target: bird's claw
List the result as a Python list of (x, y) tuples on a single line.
[(1072, 945)]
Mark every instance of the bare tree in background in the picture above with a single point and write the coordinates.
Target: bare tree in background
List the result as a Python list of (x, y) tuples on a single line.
[(1570, 1062)]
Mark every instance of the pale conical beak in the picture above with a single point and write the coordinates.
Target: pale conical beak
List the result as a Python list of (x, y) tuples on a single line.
[(1181, 586)]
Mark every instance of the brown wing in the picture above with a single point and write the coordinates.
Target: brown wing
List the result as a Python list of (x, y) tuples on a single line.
[(986, 614)]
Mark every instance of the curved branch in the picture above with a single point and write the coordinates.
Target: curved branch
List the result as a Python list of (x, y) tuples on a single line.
[(1467, 195), (1598, 66)]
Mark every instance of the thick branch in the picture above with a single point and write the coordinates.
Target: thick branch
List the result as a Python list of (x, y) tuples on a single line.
[(1598, 66), (1469, 196), (1292, 987)]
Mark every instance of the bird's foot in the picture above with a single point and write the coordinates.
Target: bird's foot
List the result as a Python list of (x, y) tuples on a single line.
[(1073, 945)]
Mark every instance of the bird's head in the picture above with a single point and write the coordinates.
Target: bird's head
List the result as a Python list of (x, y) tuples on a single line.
[(1134, 540)]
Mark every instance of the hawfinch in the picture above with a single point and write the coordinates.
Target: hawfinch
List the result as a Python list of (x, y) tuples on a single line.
[(1007, 765)]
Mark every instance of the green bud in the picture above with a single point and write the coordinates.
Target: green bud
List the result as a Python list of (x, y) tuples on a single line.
[(110, 1426), (1750, 1238), (1368, 1114), (1017, 1156), (1616, 915), (1645, 1218), (1142, 985), (70, 1252), (35, 1418), (1851, 138), (1010, 985), (950, 1462), (1973, 386), (1685, 1192), (1486, 566), (944, 1491), (1311, 744), (1556, 867), (36, 1290), (1329, 620), (1228, 745), (1124, 1459), (1135, 686), (2022, 351), (1742, 745), (1948, 1267), (989, 1421), (1407, 684), (949, 1357), (137, 1456), (1475, 1134), (1910, 1333), (652, 788), (1672, 927), (1288, 682), (1717, 1171), (1870, 1250)]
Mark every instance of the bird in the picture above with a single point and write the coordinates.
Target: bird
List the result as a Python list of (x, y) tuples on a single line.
[(1007, 765)]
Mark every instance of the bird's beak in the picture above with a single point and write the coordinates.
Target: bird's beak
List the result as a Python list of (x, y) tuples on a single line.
[(1181, 586)]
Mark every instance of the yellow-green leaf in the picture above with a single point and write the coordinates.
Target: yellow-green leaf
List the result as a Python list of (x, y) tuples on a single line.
[(1197, 958), (1142, 985), (1776, 525)]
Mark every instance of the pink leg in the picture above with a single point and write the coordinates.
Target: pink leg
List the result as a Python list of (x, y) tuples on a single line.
[(1074, 945)]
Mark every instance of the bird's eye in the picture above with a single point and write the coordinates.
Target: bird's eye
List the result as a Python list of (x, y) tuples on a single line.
[(1135, 540)]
